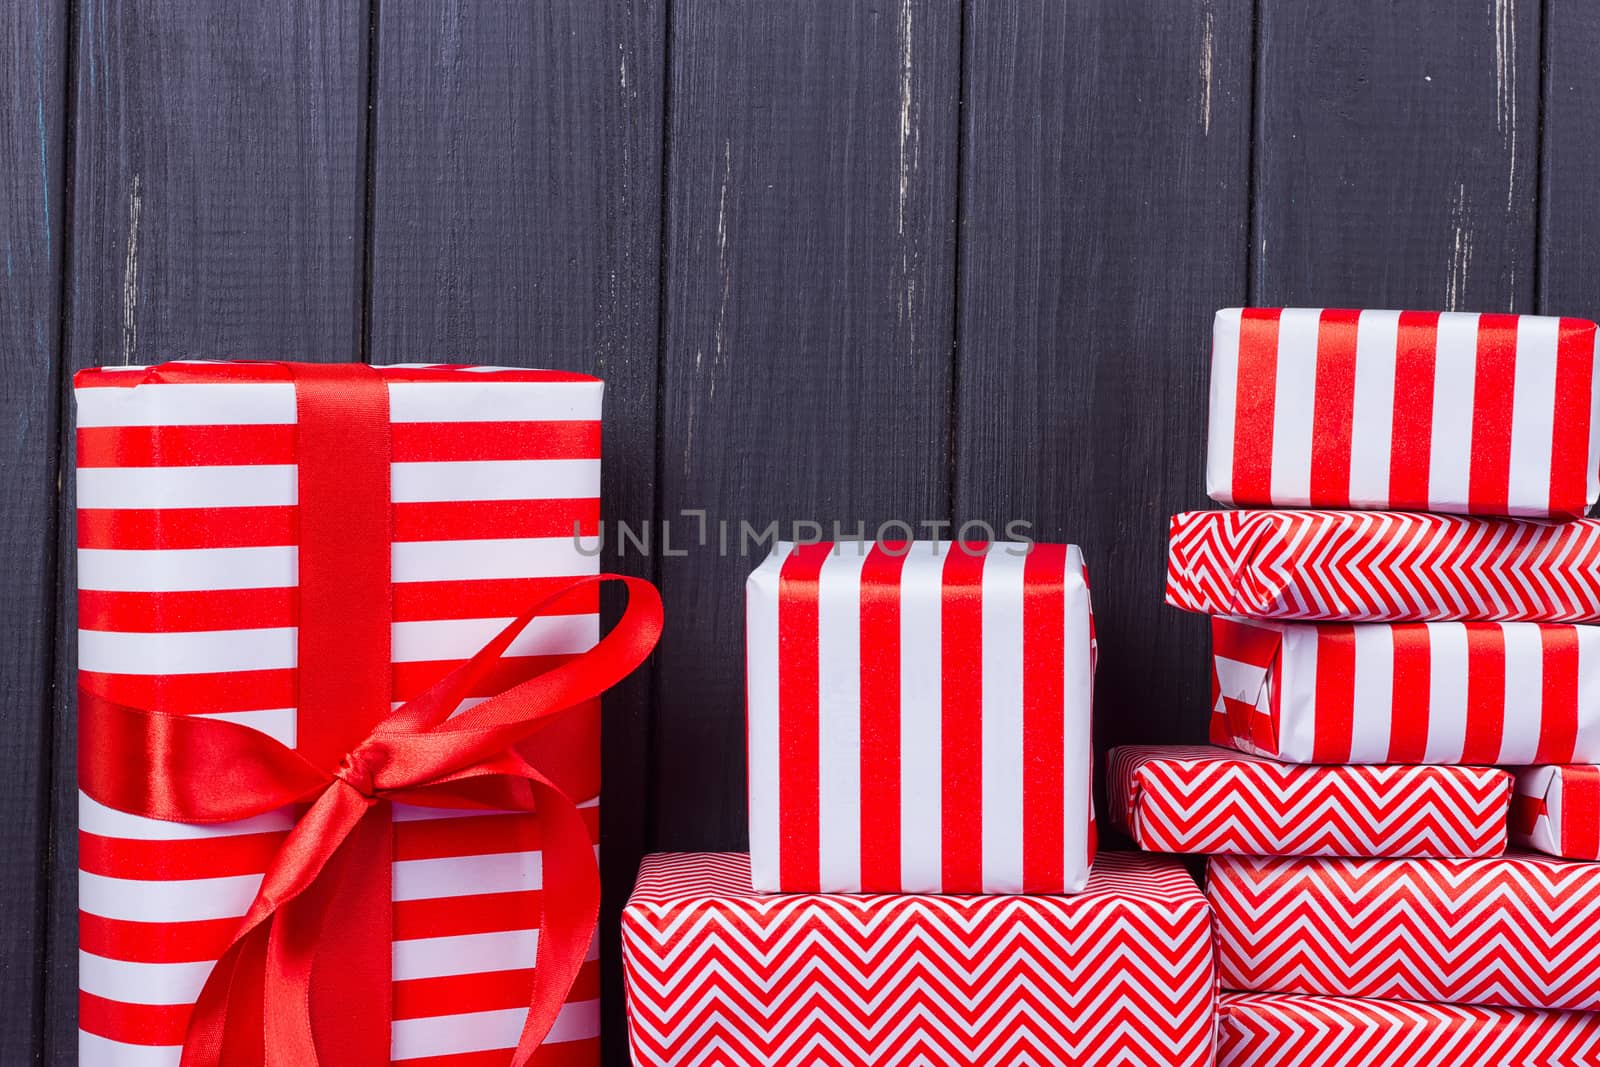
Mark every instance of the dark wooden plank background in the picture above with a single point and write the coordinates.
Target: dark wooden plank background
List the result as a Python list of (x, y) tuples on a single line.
[(839, 261)]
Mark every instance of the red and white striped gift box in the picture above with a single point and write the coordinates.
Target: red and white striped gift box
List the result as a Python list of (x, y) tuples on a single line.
[(919, 718), (1556, 810), (1202, 800), (187, 532), (1276, 1030), (1517, 931), (717, 974), (1383, 566), (1405, 410), (1509, 693)]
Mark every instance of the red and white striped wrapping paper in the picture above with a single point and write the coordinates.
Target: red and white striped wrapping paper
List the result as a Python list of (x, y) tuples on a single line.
[(1383, 566), (187, 600), (1517, 931), (1405, 410), (1556, 810), (1275, 1030), (720, 976), (1509, 693), (919, 718), (1203, 800)]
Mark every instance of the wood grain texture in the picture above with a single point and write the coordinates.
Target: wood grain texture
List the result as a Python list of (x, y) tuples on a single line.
[(1104, 205), (32, 232), (1569, 195), (1396, 154), (810, 232), (516, 220)]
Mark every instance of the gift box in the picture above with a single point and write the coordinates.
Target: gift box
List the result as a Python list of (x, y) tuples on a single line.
[(1204, 800), (270, 557), (1271, 1030), (1556, 810), (1405, 411), (919, 718), (1517, 931), (1511, 693), (1383, 566), (1120, 974)]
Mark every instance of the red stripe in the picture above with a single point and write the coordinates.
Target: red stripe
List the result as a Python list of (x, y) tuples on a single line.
[(205, 857), (478, 913), (1570, 461), (1494, 382), (133, 1024), (1413, 673), (423, 998), (1044, 622), (1255, 402), (880, 716), (476, 835), (1558, 694), (1580, 812), (1525, 813), (1411, 440), (1335, 693), (1333, 410), (165, 942), (245, 372), (1486, 692), (798, 774), (961, 718), (584, 1052)]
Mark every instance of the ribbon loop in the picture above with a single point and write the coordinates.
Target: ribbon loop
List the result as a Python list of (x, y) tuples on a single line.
[(359, 770)]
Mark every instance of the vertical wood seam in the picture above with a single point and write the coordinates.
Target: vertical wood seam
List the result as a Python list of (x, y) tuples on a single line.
[(1252, 263), (1541, 147), (953, 400), (369, 189)]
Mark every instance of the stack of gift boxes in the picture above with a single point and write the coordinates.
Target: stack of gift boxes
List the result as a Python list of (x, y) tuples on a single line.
[(1396, 691)]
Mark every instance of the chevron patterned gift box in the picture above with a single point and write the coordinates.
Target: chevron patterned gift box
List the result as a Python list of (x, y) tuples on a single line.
[(1383, 566), (1512, 693), (919, 718), (1273, 1030), (1518, 931), (1202, 800), (1409, 411), (1120, 974), (1556, 810)]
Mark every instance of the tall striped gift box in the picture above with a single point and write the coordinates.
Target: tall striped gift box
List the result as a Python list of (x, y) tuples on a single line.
[(188, 527), (1202, 800), (1556, 810), (1383, 566), (1404, 411), (1518, 931), (1276, 1030), (1512, 693), (1120, 975), (919, 718)]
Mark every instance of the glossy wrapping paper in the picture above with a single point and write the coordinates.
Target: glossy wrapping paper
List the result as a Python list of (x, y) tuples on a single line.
[(187, 525), (1120, 974), (1556, 810), (1202, 800)]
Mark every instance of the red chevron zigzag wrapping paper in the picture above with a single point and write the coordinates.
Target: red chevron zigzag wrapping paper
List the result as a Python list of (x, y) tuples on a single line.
[(1556, 810), (1419, 411), (187, 523), (1517, 931), (1383, 566), (919, 718), (1274, 1030), (1515, 694), (720, 976), (1203, 800)]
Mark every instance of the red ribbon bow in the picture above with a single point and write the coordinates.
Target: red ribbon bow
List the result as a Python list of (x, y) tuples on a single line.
[(307, 978)]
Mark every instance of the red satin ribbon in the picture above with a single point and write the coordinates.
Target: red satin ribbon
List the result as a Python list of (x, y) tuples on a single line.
[(295, 989)]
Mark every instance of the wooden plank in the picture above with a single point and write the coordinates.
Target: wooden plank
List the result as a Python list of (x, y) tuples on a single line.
[(217, 211), (1104, 210), (516, 220), (1397, 154), (811, 196), (1569, 197), (32, 225)]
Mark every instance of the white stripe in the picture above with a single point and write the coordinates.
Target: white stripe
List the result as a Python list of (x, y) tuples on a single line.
[(1372, 412), (492, 401), (209, 404), (921, 719), (507, 557), (96, 818), (1293, 404), (456, 876), (438, 957), (1297, 688), (482, 1031), (1524, 682), (1533, 399), (496, 479), (277, 723), (1373, 698), (761, 695), (1450, 463), (1224, 398), (1447, 692), (1000, 720), (1077, 714), (167, 901), (141, 983), (839, 718), (1587, 747), (97, 1051)]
